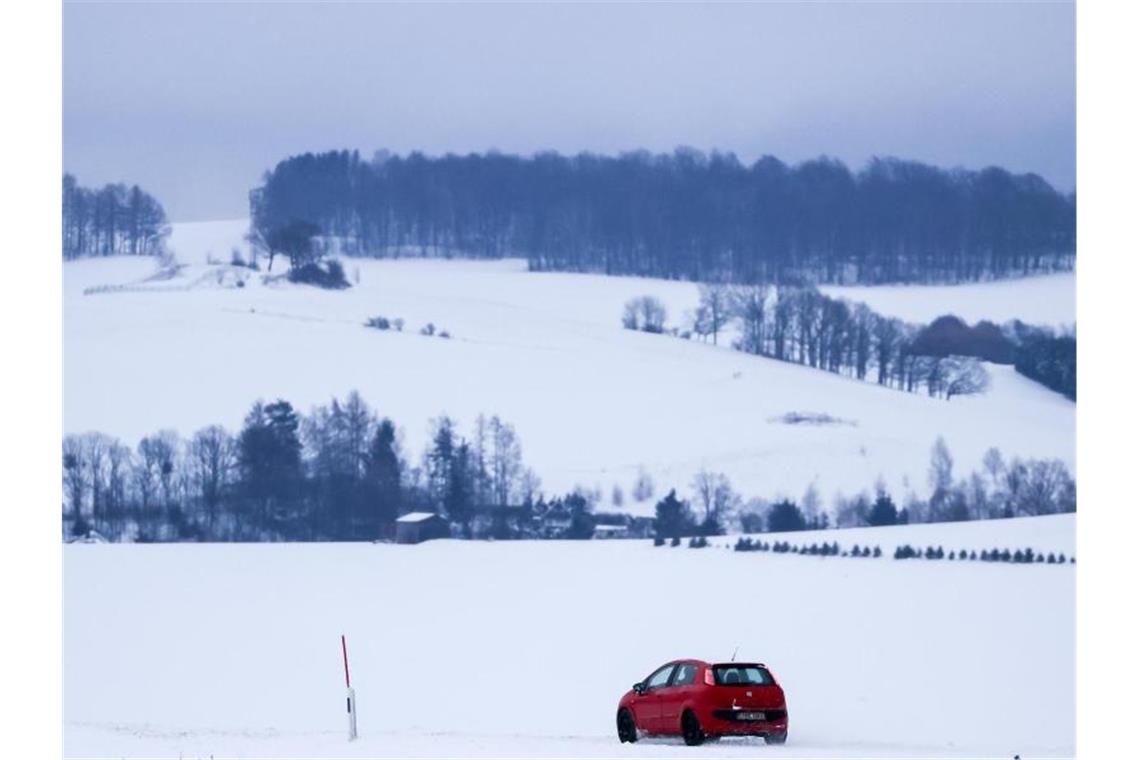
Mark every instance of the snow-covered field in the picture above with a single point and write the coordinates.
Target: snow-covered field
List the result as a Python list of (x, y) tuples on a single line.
[(523, 648), (593, 403), (1046, 300)]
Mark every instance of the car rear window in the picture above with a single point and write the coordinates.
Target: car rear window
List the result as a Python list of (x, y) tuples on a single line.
[(686, 674), (741, 675)]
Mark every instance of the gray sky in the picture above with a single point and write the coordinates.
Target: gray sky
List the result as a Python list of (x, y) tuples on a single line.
[(195, 101)]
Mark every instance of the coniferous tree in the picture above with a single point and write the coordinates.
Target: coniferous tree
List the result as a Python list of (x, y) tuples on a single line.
[(269, 459), (883, 511), (674, 518), (785, 516)]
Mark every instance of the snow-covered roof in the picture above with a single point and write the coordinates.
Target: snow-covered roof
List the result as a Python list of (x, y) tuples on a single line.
[(415, 517)]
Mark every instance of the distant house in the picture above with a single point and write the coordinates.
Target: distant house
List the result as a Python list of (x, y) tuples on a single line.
[(641, 527), (555, 522), (611, 531), (621, 525), (416, 527)]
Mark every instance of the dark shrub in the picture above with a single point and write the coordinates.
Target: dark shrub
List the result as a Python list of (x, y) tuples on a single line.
[(380, 323), (330, 275)]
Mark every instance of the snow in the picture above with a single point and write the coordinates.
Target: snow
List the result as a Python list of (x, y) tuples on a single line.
[(415, 517), (593, 404), (484, 649), (201, 242), (1043, 300)]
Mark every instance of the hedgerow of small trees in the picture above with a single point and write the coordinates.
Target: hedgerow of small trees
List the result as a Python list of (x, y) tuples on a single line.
[(645, 313), (114, 220)]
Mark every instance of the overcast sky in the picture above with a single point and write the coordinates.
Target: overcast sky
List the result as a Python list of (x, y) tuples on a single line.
[(195, 101)]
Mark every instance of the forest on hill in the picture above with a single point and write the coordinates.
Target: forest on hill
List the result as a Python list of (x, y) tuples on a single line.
[(684, 215)]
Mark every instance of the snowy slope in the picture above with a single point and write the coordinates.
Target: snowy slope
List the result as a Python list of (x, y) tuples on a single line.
[(592, 403), (523, 648), (1045, 300)]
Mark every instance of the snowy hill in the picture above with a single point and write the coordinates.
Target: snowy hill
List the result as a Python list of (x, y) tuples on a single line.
[(592, 403), (523, 648), (1049, 300)]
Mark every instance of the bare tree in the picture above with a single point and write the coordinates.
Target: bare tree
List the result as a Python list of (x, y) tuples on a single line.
[(887, 334), (810, 503), (716, 307), (749, 306), (963, 376), (1046, 481), (808, 318), (119, 460), (213, 459), (713, 493), (652, 314), (642, 487), (506, 461), (783, 317), (941, 479), (630, 314), (96, 449), (155, 468), (74, 477)]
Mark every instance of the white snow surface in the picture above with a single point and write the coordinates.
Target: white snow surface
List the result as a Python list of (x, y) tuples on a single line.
[(593, 404), (1049, 300), (511, 649)]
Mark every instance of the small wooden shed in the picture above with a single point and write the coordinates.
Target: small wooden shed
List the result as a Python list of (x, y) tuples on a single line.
[(416, 527)]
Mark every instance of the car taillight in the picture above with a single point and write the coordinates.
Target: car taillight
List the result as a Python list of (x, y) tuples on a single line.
[(709, 680)]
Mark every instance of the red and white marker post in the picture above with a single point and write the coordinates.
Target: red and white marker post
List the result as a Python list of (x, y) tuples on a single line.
[(350, 700)]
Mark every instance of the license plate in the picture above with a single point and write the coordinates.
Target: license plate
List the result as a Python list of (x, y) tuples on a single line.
[(750, 716)]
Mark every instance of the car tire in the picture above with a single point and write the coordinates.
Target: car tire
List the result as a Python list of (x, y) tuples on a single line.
[(626, 728), (691, 730), (776, 738)]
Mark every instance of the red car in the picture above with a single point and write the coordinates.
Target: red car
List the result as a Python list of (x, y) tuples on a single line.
[(699, 700)]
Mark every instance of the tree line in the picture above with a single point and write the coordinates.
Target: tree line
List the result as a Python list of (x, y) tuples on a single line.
[(113, 220), (684, 215), (801, 325), (340, 473), (1002, 489), (337, 473)]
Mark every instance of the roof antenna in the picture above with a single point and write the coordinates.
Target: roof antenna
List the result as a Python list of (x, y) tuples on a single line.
[(734, 651)]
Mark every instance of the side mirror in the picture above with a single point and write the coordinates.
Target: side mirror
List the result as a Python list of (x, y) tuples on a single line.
[(639, 688)]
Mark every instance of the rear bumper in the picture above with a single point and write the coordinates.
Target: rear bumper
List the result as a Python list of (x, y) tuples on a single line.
[(725, 723)]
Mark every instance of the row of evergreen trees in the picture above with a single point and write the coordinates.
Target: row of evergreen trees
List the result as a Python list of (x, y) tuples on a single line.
[(747, 544), (682, 215), (1017, 556), (110, 221)]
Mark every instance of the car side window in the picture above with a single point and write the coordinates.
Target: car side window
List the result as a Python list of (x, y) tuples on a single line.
[(659, 678), (686, 674)]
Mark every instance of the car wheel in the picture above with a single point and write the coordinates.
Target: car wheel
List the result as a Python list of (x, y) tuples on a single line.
[(776, 738), (691, 729), (626, 728)]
